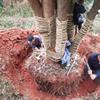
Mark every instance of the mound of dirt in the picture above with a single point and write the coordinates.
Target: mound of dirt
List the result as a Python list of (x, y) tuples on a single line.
[(34, 78)]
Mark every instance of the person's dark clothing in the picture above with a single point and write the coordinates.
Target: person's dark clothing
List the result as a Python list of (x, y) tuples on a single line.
[(94, 65), (94, 62), (37, 41), (78, 10)]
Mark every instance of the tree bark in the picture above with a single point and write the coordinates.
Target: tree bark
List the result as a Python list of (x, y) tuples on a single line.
[(62, 10), (92, 13), (37, 7), (70, 24), (61, 33), (48, 8), (49, 14)]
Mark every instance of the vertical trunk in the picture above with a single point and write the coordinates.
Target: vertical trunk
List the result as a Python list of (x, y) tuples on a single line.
[(92, 13), (61, 33), (70, 28), (62, 10), (41, 24), (61, 30), (48, 9), (37, 7), (70, 24), (38, 11)]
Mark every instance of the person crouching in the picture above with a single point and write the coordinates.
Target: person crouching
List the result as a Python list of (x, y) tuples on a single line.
[(35, 41)]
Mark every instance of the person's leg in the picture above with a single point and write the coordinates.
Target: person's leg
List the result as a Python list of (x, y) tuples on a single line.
[(79, 26), (97, 73), (85, 73), (97, 80)]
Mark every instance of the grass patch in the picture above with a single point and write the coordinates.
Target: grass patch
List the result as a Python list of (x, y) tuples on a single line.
[(19, 10)]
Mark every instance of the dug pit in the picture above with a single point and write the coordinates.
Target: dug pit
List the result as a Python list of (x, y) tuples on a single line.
[(44, 79)]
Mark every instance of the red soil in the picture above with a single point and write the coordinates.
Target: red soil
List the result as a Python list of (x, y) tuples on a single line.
[(14, 50)]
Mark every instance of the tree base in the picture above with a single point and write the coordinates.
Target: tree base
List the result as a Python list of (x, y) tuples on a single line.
[(53, 79)]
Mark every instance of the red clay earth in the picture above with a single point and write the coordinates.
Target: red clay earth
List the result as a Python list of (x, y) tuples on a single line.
[(14, 51)]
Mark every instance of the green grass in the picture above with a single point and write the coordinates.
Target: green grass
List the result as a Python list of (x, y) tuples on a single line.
[(20, 16), (21, 10), (10, 22)]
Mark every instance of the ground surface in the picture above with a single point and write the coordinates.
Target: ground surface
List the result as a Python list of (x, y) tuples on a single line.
[(16, 78)]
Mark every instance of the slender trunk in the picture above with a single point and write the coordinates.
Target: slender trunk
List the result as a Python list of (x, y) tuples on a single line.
[(61, 33), (70, 24), (37, 7), (62, 10), (48, 8), (48, 11), (92, 13), (70, 28), (41, 24)]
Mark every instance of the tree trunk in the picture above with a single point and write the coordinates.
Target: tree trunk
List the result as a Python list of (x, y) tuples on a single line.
[(61, 33), (70, 28), (87, 26), (37, 7), (92, 13), (62, 10), (48, 8), (61, 30), (70, 24), (46, 25), (49, 14), (41, 24)]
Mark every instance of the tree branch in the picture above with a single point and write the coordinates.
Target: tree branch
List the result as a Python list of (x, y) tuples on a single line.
[(93, 12)]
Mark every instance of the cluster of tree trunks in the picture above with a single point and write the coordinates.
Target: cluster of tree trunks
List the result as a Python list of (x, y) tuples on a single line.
[(63, 10)]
